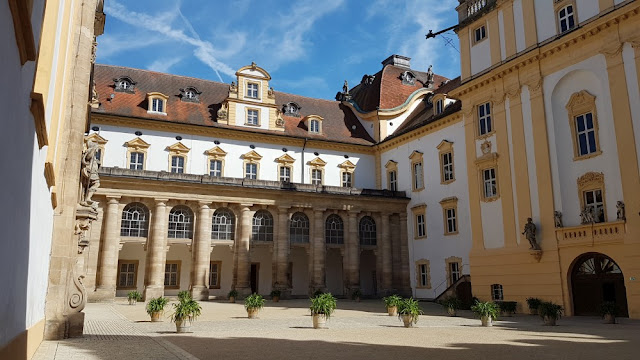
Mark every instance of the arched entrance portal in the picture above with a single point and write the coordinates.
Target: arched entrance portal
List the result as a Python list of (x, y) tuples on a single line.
[(596, 278)]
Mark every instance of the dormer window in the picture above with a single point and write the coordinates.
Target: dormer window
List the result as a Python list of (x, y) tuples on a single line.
[(252, 90), (439, 106), (408, 78), (190, 94), (124, 84), (314, 124), (291, 109), (157, 103)]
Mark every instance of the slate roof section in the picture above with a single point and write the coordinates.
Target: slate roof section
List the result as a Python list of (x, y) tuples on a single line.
[(338, 124)]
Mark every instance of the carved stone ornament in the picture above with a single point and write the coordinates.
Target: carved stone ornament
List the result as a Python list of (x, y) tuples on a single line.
[(486, 147), (89, 179), (223, 112), (620, 211), (537, 254), (271, 93), (368, 80), (94, 103), (233, 87), (94, 48), (279, 119), (408, 78), (530, 234), (587, 215), (590, 178), (557, 217), (345, 88), (84, 217), (430, 77)]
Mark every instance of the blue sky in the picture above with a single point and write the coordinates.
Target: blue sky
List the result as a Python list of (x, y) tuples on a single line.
[(308, 46)]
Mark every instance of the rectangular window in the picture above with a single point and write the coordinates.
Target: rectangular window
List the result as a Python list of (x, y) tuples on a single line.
[(490, 183), (315, 126), (99, 154), (136, 161), (447, 167), (177, 164), (452, 225), (393, 180), (127, 274), (215, 268), (424, 275), (439, 107), (586, 133), (566, 18), (251, 171), (172, 274), (484, 119), (215, 168), (594, 202), (421, 226), (252, 90), (157, 105), (316, 177), (496, 292), (285, 174), (480, 33), (418, 176), (454, 270), (252, 117), (346, 179)]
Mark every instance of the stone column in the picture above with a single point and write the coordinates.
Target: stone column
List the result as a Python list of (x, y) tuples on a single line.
[(243, 265), (404, 256), (106, 289), (201, 251), (387, 271), (353, 244), (396, 262), (156, 252), (319, 250), (282, 256)]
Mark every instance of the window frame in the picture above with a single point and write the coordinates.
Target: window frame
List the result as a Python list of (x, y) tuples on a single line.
[(316, 165), (563, 5), (248, 85), (487, 118), (178, 149), (178, 264), (228, 228), (417, 177), (137, 165), (215, 154), (189, 221), (314, 129), (136, 264), (136, 145), (494, 180), (482, 29), (285, 178), (579, 104), (420, 276), (252, 158), (249, 110), (262, 232), (367, 233), (419, 221), (161, 98), (334, 233), (392, 168), (214, 169), (446, 148), (218, 275), (453, 260), (497, 292), (589, 182), (450, 204), (346, 179), (143, 229), (299, 231), (178, 169)]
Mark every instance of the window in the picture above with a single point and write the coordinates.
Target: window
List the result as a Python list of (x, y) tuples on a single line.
[(190, 94), (316, 176), (99, 155), (285, 173), (157, 105), (314, 126), (418, 180), (251, 171), (484, 119), (447, 167), (586, 134), (421, 226), (252, 90), (253, 117), (393, 180), (334, 230), (223, 225), (215, 168), (136, 161), (135, 220), (479, 34), (451, 226), (367, 231), (172, 275), (490, 183), (124, 85), (496, 292), (566, 18), (177, 164), (262, 229), (127, 274), (346, 179), (439, 107), (594, 203), (454, 269), (346, 173), (215, 268), (299, 228), (423, 277), (583, 122), (180, 223)]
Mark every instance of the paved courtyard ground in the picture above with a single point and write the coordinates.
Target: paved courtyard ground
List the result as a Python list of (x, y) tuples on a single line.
[(356, 331)]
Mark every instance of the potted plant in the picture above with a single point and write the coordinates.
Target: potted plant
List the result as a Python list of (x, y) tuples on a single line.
[(356, 295), (409, 311), (609, 310), (487, 311), (184, 312), (507, 308), (253, 303), (155, 307), (391, 302), (134, 296), (452, 304), (184, 295), (322, 306), (275, 295), (233, 294), (318, 292), (550, 312), (533, 304)]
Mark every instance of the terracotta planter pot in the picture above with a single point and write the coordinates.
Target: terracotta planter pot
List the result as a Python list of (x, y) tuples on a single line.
[(487, 321), (609, 319), (155, 316), (252, 313), (549, 321), (133, 301), (275, 298), (392, 310), (407, 320), (319, 321), (232, 299), (183, 326), (452, 311)]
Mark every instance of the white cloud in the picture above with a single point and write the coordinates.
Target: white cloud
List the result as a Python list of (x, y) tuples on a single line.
[(163, 65)]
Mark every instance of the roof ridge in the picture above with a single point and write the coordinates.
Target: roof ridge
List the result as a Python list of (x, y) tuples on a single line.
[(162, 73)]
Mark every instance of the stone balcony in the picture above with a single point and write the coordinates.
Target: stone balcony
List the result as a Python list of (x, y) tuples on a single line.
[(470, 10), (586, 234)]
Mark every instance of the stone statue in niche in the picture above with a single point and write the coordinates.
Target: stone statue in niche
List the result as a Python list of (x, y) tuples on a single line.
[(270, 92), (486, 147), (621, 212), (345, 88), (90, 179), (233, 87), (557, 217), (587, 215), (530, 234), (430, 77)]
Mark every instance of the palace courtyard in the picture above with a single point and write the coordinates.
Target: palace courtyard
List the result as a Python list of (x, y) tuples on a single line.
[(355, 331)]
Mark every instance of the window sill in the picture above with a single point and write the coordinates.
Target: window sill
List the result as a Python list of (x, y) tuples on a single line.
[(418, 189), (486, 135), (588, 156), (253, 125), (447, 182), (420, 237), (156, 112), (450, 233), (214, 287), (491, 199), (423, 287)]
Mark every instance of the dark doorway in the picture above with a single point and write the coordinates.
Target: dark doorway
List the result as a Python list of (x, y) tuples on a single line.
[(596, 278), (463, 293), (255, 270)]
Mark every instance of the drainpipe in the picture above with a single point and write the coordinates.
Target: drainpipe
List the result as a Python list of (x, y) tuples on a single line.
[(302, 167)]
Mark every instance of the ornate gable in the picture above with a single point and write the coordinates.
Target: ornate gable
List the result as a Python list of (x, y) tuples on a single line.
[(137, 144), (285, 159), (391, 164), (581, 100), (96, 139), (317, 162), (347, 165), (415, 155), (252, 155), (178, 148), (444, 145), (216, 152)]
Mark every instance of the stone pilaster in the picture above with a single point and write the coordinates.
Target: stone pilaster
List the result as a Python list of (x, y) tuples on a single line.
[(353, 253), (387, 271), (106, 289), (201, 251), (243, 263), (282, 254), (404, 256), (319, 250), (156, 252)]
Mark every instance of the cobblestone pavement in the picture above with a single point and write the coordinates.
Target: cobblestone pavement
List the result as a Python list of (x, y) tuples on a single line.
[(356, 331)]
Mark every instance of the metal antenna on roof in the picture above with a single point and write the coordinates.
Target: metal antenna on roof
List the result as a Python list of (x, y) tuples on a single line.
[(448, 41)]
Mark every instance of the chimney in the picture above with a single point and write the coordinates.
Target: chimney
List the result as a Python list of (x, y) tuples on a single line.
[(398, 60)]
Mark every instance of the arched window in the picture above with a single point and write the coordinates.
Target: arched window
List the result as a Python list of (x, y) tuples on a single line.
[(367, 231), (135, 220), (334, 230), (299, 228), (180, 223), (223, 225), (262, 226)]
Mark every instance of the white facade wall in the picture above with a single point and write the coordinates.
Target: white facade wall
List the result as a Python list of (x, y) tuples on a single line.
[(503, 45), (525, 97), (437, 246), (518, 20), (590, 75), (481, 51), (115, 155), (545, 19), (587, 9), (628, 55)]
